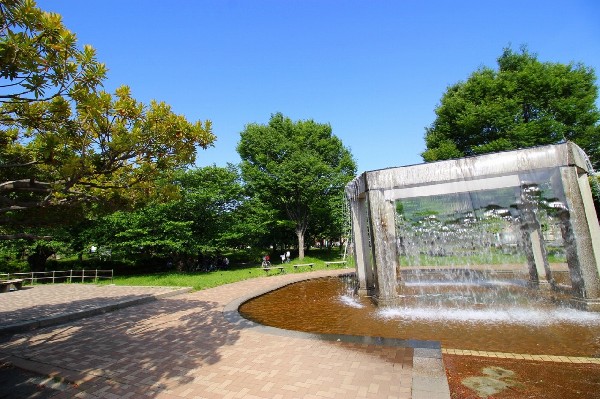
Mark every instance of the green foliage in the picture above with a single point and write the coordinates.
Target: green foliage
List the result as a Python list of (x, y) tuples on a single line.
[(63, 142), (39, 59), (524, 103), (210, 198), (208, 215), (253, 224), (595, 186), (29, 254), (297, 168)]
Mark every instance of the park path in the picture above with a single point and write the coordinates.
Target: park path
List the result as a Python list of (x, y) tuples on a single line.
[(195, 345)]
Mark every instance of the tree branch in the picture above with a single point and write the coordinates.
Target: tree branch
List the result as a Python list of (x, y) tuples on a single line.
[(94, 185), (25, 236), (17, 165), (16, 208), (25, 185)]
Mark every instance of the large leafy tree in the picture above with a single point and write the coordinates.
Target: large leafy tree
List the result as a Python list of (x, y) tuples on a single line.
[(523, 103), (295, 167), (64, 142), (203, 218)]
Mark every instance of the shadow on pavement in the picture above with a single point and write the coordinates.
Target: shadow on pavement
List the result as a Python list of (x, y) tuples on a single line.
[(155, 346), (21, 384)]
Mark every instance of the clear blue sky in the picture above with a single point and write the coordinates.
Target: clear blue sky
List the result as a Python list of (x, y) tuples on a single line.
[(374, 70)]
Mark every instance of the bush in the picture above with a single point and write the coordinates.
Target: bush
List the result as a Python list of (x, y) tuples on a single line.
[(10, 265)]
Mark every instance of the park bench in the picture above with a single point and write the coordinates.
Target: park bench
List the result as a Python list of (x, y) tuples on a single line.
[(340, 262), (268, 268), (304, 265), (6, 284)]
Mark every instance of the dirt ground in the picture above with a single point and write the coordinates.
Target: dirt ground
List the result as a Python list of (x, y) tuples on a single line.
[(473, 377)]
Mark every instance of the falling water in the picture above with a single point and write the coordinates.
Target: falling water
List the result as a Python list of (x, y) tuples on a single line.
[(465, 251)]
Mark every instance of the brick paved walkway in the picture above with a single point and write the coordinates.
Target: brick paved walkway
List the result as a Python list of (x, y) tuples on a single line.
[(195, 345), (42, 305)]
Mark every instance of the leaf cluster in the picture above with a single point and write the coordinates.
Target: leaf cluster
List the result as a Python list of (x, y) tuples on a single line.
[(63, 140), (523, 103), (39, 58)]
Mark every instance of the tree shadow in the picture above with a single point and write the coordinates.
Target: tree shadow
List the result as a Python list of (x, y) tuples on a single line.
[(154, 346), (23, 317)]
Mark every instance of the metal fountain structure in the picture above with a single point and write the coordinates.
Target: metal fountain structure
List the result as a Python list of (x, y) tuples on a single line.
[(373, 195)]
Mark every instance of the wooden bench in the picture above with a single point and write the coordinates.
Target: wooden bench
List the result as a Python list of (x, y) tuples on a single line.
[(341, 262), (267, 269), (6, 284), (304, 265)]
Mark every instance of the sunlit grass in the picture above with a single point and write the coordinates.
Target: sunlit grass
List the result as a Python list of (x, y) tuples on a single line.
[(203, 280), (491, 258), (466, 260)]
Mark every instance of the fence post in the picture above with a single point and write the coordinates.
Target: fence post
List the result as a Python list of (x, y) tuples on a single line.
[(53, 273), (32, 280), (96, 277), (82, 275), (112, 272), (70, 276)]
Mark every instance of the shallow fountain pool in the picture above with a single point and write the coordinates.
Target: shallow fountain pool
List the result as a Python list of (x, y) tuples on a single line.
[(532, 324)]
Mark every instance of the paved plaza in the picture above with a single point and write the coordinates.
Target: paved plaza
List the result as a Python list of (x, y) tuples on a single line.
[(148, 342)]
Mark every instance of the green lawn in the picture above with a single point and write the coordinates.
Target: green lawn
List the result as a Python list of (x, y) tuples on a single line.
[(490, 258), (202, 280)]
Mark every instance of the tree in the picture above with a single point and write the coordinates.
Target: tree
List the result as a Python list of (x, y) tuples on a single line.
[(49, 241), (210, 198), (63, 142), (200, 220), (524, 103), (147, 234), (295, 167)]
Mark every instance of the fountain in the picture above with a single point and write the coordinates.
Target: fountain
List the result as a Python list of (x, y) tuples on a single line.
[(536, 202), (488, 254)]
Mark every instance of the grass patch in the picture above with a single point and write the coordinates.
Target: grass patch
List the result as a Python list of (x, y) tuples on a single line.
[(464, 260), (490, 258), (203, 280)]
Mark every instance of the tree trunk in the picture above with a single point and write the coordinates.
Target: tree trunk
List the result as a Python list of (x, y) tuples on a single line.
[(37, 260), (300, 234)]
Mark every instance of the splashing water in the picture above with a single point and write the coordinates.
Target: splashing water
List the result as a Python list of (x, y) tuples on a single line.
[(351, 301), (511, 315)]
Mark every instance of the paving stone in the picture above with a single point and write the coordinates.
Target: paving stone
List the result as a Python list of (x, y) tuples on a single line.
[(194, 345)]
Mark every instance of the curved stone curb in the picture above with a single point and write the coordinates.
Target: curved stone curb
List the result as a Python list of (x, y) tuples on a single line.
[(429, 379), (70, 316)]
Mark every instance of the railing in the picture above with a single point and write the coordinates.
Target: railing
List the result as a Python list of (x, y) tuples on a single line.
[(60, 276)]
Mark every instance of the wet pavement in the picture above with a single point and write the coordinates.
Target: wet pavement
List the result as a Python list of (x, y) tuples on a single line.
[(195, 345)]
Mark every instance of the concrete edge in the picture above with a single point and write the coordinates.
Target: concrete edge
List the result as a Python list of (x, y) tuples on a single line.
[(67, 317), (429, 380)]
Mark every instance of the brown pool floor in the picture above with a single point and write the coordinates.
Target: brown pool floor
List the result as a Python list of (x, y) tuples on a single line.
[(499, 378)]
